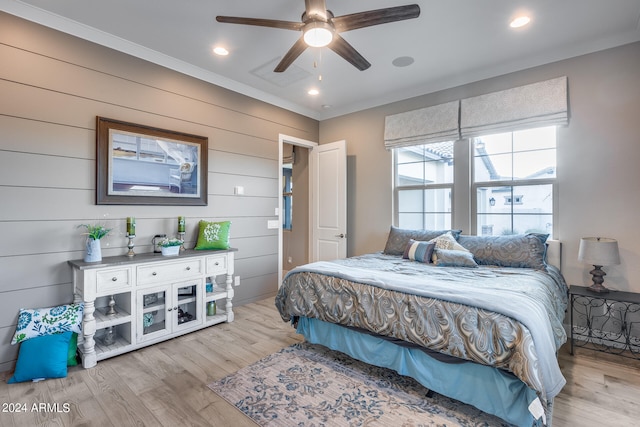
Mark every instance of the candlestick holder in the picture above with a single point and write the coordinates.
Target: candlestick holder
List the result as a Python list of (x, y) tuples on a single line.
[(181, 234), (130, 245), (111, 311)]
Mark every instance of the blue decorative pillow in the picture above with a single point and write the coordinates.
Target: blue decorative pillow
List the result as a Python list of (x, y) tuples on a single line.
[(454, 258), (419, 251), (518, 250), (399, 238), (46, 321), (42, 357)]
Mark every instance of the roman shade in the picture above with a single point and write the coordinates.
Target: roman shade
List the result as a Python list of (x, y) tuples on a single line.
[(431, 124), (534, 105)]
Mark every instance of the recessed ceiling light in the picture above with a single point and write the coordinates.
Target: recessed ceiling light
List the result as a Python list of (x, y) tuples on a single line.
[(520, 21), (313, 92), (219, 50)]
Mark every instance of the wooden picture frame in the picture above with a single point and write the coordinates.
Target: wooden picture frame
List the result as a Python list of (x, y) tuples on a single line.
[(144, 165)]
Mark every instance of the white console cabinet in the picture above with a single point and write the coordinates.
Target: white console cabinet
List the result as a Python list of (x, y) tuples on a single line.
[(132, 302)]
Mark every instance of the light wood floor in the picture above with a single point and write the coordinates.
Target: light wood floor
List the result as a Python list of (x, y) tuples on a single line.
[(165, 384)]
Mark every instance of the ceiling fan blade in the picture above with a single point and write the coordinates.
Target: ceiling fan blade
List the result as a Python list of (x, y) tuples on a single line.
[(293, 53), (344, 49), (375, 17), (315, 8), (273, 23)]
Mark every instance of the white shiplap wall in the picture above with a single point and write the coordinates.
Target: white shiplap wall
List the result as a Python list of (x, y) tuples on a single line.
[(52, 87)]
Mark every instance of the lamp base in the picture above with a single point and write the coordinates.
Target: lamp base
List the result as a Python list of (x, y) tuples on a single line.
[(598, 279), (598, 289)]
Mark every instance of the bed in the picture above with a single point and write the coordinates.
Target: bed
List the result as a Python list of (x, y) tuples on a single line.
[(475, 318)]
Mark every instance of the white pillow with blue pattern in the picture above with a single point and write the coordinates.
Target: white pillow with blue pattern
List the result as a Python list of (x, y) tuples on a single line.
[(445, 241), (47, 321)]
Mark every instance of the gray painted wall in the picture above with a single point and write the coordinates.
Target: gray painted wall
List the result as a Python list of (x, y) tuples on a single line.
[(54, 85), (598, 155), (52, 88)]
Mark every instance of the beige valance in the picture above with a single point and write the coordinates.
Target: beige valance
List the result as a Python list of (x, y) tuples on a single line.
[(431, 124), (534, 105)]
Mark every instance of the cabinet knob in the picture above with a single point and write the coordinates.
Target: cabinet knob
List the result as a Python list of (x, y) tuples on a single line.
[(114, 279), (154, 274), (216, 263), (170, 309), (188, 268)]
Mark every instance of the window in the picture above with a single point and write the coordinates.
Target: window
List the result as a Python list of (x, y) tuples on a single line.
[(424, 185), (518, 168), (151, 150), (512, 191)]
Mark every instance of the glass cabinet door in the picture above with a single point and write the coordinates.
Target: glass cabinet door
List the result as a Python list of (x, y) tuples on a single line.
[(153, 311), (187, 310)]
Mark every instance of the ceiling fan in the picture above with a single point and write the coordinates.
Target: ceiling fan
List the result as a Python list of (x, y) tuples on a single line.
[(320, 28)]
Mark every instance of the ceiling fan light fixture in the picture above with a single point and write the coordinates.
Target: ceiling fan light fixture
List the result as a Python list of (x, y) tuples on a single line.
[(520, 21), (318, 34)]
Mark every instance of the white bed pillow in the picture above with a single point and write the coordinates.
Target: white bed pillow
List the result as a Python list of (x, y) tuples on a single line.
[(448, 242)]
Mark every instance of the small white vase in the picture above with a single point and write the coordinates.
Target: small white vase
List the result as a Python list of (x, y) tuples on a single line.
[(94, 252), (170, 250)]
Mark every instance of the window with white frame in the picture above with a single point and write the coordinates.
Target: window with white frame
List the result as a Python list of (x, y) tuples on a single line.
[(514, 178), (424, 185), (513, 182), (507, 184)]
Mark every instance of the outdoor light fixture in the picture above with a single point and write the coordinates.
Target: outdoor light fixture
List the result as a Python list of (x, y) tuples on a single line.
[(598, 251)]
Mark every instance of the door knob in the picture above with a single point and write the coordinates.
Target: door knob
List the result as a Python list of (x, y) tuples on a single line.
[(341, 235)]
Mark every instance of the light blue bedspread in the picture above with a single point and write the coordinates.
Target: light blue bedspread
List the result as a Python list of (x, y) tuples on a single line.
[(534, 298)]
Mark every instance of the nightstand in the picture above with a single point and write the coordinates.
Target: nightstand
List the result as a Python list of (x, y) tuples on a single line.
[(607, 322)]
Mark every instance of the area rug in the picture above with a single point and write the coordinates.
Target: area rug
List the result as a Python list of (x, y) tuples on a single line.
[(308, 385)]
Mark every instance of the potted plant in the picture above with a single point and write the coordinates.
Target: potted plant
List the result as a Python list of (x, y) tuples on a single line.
[(170, 247), (94, 233)]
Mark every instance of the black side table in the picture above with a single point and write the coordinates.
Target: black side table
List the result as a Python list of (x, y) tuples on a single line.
[(609, 322)]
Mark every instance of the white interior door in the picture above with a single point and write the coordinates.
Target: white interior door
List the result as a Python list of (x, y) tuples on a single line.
[(328, 181)]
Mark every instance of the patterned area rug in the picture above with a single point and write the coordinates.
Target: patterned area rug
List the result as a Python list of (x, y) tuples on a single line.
[(309, 385)]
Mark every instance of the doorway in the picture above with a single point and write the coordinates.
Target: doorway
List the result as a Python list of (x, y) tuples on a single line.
[(293, 241)]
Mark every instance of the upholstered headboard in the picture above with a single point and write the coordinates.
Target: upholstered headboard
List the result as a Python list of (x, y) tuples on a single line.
[(554, 253)]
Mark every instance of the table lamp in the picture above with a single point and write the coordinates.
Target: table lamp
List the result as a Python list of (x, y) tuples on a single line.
[(599, 252)]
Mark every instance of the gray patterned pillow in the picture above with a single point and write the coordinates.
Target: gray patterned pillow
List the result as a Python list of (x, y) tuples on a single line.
[(454, 258), (399, 238), (518, 250)]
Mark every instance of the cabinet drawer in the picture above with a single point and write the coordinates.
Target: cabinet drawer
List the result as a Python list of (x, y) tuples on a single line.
[(113, 279), (149, 274), (216, 265)]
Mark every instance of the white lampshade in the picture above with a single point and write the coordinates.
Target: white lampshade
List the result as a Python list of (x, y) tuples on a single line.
[(599, 251), (318, 34)]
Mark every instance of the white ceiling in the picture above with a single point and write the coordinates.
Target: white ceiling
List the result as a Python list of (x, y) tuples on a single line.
[(453, 42)]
